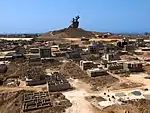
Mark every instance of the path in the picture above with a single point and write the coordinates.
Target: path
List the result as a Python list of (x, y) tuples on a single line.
[(51, 33), (77, 98)]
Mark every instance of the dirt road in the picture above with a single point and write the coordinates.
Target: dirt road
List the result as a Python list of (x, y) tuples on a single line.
[(77, 98)]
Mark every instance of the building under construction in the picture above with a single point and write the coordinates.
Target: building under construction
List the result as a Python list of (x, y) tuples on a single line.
[(87, 65), (96, 72), (57, 82), (35, 76), (45, 52), (114, 65), (41, 100), (133, 66)]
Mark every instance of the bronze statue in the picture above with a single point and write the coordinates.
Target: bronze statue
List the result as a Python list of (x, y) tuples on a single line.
[(75, 22)]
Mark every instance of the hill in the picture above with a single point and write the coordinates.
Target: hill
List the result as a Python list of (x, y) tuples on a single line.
[(68, 33)]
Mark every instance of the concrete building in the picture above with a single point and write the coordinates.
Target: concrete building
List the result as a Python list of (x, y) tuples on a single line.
[(96, 72), (85, 39), (93, 50), (87, 65), (34, 50), (20, 50), (74, 47), (140, 42), (73, 55), (110, 48), (63, 46), (57, 82), (33, 79), (114, 66), (97, 44), (45, 52), (32, 82), (146, 49), (129, 47), (133, 66), (111, 56), (123, 42)]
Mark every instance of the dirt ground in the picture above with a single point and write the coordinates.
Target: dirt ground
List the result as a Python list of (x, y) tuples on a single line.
[(70, 69), (11, 102), (80, 103), (140, 78), (77, 98), (147, 69), (83, 87)]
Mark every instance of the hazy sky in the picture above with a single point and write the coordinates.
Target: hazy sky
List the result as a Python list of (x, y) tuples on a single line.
[(18, 16)]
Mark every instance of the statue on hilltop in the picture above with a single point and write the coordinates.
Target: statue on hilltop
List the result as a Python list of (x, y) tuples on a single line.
[(75, 22)]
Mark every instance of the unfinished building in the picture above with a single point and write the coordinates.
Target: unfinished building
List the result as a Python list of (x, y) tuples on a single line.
[(111, 56), (59, 54), (114, 66), (87, 65), (39, 100), (92, 50), (34, 82), (133, 66), (96, 72), (74, 47), (140, 42), (146, 49), (123, 42), (45, 52), (97, 43), (73, 55), (34, 50), (110, 48), (20, 50), (63, 46), (35, 76), (128, 47), (57, 82)]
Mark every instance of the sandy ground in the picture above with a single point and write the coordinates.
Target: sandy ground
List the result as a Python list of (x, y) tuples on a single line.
[(82, 90), (23, 86), (139, 78), (77, 98)]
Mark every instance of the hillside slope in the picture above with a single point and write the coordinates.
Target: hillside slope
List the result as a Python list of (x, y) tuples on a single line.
[(68, 33)]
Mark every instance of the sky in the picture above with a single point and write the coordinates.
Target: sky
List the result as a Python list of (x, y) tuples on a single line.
[(39, 16)]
